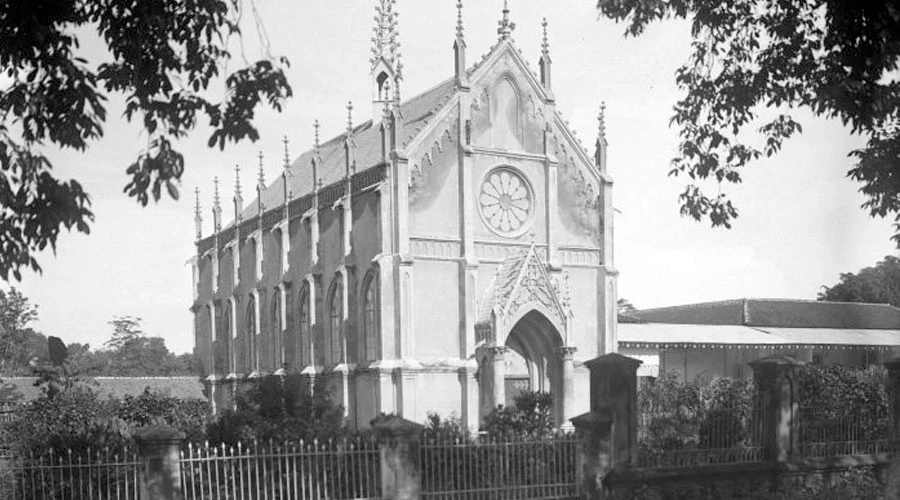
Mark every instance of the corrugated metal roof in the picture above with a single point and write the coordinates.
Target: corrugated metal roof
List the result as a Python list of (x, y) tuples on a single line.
[(663, 334)]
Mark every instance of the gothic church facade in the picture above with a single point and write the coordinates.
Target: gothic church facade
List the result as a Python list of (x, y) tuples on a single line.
[(454, 249)]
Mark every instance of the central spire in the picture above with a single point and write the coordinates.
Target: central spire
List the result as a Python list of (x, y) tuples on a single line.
[(506, 27)]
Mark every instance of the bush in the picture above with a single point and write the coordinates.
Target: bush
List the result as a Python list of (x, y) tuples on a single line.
[(530, 417), (285, 408)]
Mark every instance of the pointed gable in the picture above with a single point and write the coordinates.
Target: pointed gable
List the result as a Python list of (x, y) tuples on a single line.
[(522, 280)]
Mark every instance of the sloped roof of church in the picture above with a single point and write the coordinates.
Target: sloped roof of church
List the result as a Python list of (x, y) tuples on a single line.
[(367, 137), (502, 286)]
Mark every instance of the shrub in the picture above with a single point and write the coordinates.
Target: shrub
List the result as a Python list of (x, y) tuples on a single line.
[(530, 416)]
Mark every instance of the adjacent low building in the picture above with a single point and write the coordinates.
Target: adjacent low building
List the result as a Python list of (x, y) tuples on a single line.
[(720, 338)]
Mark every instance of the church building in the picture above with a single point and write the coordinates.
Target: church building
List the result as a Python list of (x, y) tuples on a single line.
[(449, 252)]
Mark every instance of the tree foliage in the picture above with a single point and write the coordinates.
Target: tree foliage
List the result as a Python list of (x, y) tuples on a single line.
[(162, 57), (879, 284), (837, 59), (19, 342), (530, 416)]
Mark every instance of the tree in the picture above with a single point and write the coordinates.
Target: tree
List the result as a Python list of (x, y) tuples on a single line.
[(837, 59), (624, 306), (19, 343), (879, 284), (163, 56)]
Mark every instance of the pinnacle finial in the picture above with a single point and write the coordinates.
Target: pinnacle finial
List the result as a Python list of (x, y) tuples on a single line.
[(386, 110), (287, 156), (198, 219), (601, 119), (261, 176), (506, 27), (545, 44), (217, 207), (215, 191), (316, 143), (459, 21), (349, 117), (385, 42), (237, 180), (197, 201)]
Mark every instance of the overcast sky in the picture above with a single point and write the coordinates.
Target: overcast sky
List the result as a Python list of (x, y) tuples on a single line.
[(800, 223)]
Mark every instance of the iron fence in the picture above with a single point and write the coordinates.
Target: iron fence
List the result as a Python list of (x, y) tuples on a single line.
[(826, 431), (68, 475), (345, 469), (486, 468), (680, 435)]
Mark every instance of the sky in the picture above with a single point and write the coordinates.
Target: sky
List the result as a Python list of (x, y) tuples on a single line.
[(800, 224)]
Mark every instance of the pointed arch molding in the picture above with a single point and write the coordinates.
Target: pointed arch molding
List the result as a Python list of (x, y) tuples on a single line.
[(521, 285)]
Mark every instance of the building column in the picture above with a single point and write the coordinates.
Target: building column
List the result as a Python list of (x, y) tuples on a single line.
[(498, 375), (567, 359)]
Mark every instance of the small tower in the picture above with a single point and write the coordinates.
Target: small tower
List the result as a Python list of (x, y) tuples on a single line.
[(385, 54), (545, 58), (238, 199), (505, 26), (459, 50), (217, 207), (261, 186)]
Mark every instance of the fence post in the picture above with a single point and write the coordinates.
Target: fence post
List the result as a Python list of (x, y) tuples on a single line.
[(776, 381), (594, 431), (614, 389), (398, 443), (160, 476)]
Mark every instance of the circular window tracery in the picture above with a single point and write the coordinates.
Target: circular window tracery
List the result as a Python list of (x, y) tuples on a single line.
[(506, 202)]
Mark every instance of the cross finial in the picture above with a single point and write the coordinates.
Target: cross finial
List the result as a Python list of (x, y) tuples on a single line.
[(459, 21), (506, 27), (545, 44), (349, 117)]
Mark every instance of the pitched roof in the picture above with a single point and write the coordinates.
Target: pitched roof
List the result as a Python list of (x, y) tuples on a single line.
[(367, 137), (187, 388), (777, 313)]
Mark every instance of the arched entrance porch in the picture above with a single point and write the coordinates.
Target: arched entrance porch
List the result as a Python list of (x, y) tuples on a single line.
[(533, 350)]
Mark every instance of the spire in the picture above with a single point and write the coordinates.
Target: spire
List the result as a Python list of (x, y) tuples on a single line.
[(349, 144), (506, 27), (545, 58), (260, 185), (601, 121), (238, 199), (459, 50), (217, 207), (385, 42), (198, 219)]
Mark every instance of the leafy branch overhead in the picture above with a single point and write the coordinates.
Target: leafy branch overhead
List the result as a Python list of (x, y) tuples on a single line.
[(163, 56), (835, 58)]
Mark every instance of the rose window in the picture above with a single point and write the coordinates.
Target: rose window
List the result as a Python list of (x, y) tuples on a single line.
[(506, 202)]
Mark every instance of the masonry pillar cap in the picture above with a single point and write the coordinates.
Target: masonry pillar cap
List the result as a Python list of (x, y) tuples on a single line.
[(392, 425), (776, 360), (592, 419), (159, 433), (613, 359)]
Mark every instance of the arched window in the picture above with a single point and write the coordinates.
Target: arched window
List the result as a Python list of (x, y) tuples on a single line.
[(228, 335), (303, 350), (336, 315), (250, 344), (370, 321), (277, 331)]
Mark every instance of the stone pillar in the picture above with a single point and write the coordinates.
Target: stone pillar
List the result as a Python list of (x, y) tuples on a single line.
[(893, 392), (160, 476), (595, 457), (614, 389), (498, 376), (777, 384), (398, 442), (567, 359)]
